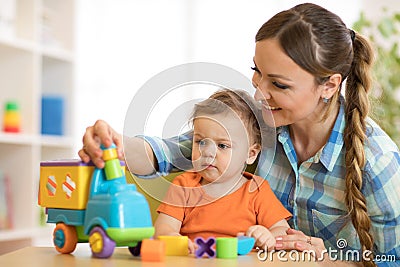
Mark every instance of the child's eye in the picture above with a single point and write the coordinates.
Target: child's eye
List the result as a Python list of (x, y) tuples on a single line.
[(280, 86), (223, 146), (201, 142)]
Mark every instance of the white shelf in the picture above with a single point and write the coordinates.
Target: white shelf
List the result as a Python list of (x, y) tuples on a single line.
[(38, 59), (43, 140), (15, 43), (18, 139), (11, 235), (57, 53), (40, 234)]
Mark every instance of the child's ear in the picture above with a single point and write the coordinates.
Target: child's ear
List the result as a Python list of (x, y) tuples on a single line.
[(254, 150)]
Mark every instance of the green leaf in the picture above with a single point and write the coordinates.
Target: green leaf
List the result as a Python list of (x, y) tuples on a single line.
[(386, 27)]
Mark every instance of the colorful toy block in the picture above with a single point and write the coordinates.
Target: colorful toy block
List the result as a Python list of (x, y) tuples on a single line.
[(175, 245), (205, 247), (112, 165), (227, 247), (53, 112), (152, 250), (245, 244), (11, 118)]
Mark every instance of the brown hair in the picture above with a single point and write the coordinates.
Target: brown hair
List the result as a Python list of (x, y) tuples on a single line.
[(238, 101), (320, 43)]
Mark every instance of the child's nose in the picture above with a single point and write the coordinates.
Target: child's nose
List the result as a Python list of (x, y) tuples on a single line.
[(209, 149)]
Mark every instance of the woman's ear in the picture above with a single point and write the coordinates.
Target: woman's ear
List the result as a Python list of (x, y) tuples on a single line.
[(331, 86), (254, 150)]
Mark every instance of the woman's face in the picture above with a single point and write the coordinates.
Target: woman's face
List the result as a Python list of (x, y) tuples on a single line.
[(288, 93)]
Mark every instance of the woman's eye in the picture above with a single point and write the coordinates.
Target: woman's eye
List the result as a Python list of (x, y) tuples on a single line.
[(279, 85), (255, 69)]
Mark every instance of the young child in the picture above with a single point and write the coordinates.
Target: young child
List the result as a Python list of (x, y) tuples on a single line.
[(220, 199)]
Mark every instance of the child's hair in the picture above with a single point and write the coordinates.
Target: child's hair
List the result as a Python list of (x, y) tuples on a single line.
[(238, 101), (320, 43)]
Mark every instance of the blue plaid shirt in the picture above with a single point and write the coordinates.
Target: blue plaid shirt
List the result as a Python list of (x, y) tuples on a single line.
[(314, 191)]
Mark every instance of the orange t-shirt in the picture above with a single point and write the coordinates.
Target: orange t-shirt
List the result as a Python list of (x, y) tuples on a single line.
[(253, 203)]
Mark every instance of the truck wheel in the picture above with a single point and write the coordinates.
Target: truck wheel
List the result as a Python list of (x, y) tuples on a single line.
[(135, 251), (65, 238), (102, 246)]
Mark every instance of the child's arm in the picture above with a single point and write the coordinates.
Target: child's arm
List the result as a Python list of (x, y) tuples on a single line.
[(265, 238), (279, 228), (168, 225)]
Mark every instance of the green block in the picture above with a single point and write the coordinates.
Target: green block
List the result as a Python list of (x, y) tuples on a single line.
[(113, 169), (227, 247), (12, 106)]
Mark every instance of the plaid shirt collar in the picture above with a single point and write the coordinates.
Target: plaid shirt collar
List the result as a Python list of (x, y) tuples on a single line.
[(329, 154)]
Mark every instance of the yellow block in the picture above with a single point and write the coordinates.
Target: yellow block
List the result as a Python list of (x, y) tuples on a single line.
[(12, 119), (110, 153), (65, 187), (175, 245)]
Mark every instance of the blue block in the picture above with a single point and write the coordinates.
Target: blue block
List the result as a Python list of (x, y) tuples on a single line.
[(245, 244), (52, 115)]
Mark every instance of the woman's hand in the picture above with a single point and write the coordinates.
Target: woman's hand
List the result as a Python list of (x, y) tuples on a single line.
[(99, 133), (262, 235), (297, 240)]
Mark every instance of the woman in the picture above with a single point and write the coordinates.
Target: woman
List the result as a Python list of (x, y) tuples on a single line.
[(334, 169)]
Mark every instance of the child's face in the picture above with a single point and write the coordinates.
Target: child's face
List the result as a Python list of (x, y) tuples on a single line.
[(221, 147)]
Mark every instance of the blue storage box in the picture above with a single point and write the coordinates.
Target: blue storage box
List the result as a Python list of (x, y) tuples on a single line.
[(53, 115)]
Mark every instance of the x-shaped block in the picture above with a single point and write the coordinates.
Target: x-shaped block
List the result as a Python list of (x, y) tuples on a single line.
[(205, 247)]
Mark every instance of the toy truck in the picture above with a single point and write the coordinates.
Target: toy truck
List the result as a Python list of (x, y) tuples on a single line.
[(93, 205)]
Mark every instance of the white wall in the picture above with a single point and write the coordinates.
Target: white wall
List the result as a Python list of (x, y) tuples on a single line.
[(123, 43)]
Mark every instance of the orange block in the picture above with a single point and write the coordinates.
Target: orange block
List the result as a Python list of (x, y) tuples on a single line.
[(152, 250)]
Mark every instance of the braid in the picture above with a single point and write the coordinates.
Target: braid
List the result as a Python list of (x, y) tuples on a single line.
[(357, 108)]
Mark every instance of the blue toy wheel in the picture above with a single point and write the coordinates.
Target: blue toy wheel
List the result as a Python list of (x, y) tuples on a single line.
[(101, 245), (135, 251)]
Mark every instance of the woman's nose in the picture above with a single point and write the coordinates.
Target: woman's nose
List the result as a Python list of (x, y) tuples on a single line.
[(262, 95), (262, 92)]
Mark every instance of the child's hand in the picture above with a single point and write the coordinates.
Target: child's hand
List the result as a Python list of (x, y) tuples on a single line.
[(263, 236), (99, 133), (192, 247)]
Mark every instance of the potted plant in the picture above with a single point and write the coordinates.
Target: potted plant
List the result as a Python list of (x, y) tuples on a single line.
[(385, 96)]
